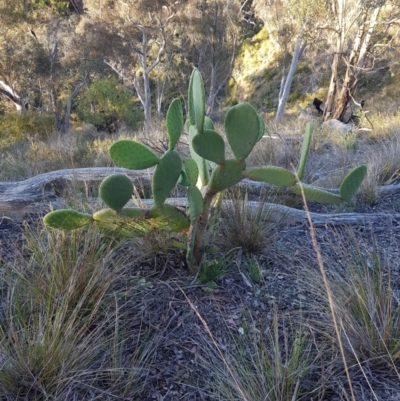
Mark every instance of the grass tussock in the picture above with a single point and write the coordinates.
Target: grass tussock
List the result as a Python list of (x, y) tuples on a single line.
[(244, 226), (365, 303), (63, 320)]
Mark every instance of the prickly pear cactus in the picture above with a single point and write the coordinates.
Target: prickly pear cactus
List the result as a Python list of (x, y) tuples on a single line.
[(205, 174)]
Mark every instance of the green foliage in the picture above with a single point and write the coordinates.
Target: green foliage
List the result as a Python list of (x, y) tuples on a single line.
[(244, 128), (59, 6), (16, 127), (107, 101), (210, 270)]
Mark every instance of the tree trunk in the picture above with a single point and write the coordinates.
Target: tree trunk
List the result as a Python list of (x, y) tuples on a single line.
[(340, 96), (298, 51), (9, 92), (69, 105)]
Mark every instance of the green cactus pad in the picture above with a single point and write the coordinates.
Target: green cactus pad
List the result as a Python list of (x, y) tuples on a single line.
[(226, 175), (66, 219), (196, 100), (133, 155), (200, 161), (192, 171), (352, 182), (129, 223), (174, 122), (242, 127), (210, 146), (208, 123), (316, 195), (304, 151), (168, 218), (116, 190), (271, 175), (262, 128), (166, 176), (196, 202), (183, 179)]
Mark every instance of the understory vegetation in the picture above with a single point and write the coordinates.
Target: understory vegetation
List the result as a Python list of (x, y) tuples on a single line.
[(269, 317)]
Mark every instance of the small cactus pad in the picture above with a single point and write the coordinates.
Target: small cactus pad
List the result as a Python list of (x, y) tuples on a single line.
[(174, 122), (166, 176), (208, 123), (132, 155), (262, 128), (196, 202), (304, 151), (200, 161), (168, 218), (226, 175), (210, 146), (316, 195), (196, 100), (352, 182), (192, 171), (129, 223), (242, 127), (271, 175), (66, 219), (116, 190), (183, 179)]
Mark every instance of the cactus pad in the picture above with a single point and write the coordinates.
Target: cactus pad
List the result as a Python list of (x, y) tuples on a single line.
[(168, 218), (352, 182), (271, 175), (242, 127), (210, 146), (316, 195), (208, 123), (200, 161), (174, 122), (262, 128), (196, 100), (66, 219), (192, 171), (116, 190), (183, 179), (166, 176), (129, 223), (226, 175), (305, 147), (196, 202), (132, 155)]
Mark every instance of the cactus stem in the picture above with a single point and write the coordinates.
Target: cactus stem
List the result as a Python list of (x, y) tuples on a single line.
[(195, 246)]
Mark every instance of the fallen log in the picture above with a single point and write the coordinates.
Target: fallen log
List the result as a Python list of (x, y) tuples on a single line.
[(25, 196), (40, 193)]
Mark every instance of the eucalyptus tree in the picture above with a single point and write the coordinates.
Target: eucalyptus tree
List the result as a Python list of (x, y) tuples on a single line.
[(354, 32), (291, 27)]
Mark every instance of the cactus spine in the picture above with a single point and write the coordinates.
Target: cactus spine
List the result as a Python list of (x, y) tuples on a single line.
[(205, 174)]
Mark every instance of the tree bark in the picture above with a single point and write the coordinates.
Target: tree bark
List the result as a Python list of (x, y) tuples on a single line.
[(283, 97), (69, 105), (10, 93)]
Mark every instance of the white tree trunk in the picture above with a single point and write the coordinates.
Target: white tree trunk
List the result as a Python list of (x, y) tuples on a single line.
[(298, 51)]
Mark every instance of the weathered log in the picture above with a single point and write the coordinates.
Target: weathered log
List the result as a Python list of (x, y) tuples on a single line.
[(38, 194), (25, 196)]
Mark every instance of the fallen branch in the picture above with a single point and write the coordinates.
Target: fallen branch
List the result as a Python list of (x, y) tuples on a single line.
[(40, 193)]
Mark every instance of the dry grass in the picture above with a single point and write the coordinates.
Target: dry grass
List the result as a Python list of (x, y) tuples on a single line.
[(63, 321), (67, 315)]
